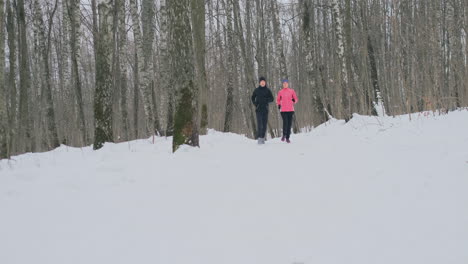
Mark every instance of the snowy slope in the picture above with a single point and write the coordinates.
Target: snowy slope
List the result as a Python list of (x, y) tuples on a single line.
[(373, 191)]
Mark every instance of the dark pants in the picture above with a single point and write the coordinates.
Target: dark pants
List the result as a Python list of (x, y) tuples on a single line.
[(262, 121), (287, 123)]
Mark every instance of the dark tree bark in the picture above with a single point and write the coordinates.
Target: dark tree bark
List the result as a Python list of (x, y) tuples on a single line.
[(307, 21), (261, 43), (12, 89), (44, 44), (183, 70), (123, 74), (198, 26), (3, 98), (231, 67), (73, 9), (25, 117), (103, 97)]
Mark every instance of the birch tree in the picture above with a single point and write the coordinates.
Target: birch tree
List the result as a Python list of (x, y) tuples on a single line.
[(345, 91), (144, 66)]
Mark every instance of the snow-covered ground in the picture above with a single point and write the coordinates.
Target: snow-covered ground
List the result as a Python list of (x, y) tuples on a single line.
[(373, 191)]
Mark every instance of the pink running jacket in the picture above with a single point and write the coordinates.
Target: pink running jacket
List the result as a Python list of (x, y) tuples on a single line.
[(285, 99)]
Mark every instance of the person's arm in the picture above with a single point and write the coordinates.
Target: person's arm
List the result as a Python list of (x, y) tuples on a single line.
[(294, 99), (278, 98), (254, 98), (270, 96)]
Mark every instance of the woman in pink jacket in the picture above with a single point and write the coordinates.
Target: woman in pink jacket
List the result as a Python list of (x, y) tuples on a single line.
[(286, 100)]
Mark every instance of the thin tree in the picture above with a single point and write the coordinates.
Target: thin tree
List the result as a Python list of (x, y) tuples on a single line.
[(3, 100), (11, 92), (25, 117), (231, 67), (345, 92), (74, 14), (123, 74), (144, 64), (199, 46), (164, 72), (44, 46)]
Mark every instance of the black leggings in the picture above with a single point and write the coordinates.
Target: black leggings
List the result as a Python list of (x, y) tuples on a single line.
[(287, 123), (262, 121)]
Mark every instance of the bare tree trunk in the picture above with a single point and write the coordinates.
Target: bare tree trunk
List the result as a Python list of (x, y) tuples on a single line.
[(446, 57), (66, 99), (183, 70), (73, 9), (354, 102), (122, 60), (198, 27), (95, 30), (148, 30), (248, 68), (103, 96), (166, 108), (457, 60), (25, 117), (466, 54), (12, 92), (231, 68), (3, 98), (346, 111), (164, 73), (261, 43), (136, 97), (372, 58), (308, 20), (44, 45), (144, 67)]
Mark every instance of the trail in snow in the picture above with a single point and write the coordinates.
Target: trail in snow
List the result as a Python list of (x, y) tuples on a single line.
[(374, 190)]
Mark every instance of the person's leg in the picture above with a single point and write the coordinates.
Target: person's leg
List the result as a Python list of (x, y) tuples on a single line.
[(290, 120), (259, 124), (265, 124), (291, 123), (284, 117)]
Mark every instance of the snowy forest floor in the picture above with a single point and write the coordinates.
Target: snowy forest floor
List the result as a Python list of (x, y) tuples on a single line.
[(374, 190)]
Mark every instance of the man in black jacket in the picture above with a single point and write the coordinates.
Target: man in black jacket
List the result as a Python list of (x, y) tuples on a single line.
[(261, 97)]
